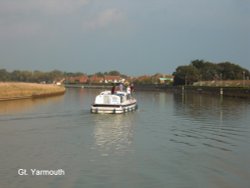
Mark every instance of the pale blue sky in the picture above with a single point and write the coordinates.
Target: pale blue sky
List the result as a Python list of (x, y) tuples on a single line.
[(135, 37)]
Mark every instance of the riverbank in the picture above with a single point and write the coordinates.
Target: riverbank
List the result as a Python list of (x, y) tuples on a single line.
[(19, 90), (236, 92), (227, 91)]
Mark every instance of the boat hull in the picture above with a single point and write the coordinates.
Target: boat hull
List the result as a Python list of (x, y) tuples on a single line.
[(113, 109)]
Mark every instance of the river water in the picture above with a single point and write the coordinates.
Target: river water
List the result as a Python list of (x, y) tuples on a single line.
[(172, 140)]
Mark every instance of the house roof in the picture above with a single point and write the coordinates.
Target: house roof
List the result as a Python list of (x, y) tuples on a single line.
[(112, 78), (96, 78), (166, 79)]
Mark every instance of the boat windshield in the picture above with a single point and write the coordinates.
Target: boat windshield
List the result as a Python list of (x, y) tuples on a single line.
[(119, 94)]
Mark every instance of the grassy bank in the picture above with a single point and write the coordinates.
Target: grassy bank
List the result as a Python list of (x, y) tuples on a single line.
[(16, 90)]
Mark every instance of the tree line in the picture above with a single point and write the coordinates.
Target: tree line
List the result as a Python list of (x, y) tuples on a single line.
[(46, 77), (200, 70), (197, 70), (34, 76)]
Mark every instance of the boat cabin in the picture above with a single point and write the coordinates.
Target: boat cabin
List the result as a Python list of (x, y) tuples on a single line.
[(107, 98)]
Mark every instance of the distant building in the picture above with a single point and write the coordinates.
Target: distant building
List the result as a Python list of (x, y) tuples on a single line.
[(112, 79), (77, 79), (96, 79), (166, 79)]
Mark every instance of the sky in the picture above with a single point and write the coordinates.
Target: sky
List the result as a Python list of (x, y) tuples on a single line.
[(134, 37)]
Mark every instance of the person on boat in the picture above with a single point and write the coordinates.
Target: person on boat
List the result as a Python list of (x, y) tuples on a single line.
[(128, 89), (121, 87), (132, 88), (113, 89)]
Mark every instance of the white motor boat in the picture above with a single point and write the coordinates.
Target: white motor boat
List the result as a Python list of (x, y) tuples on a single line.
[(117, 103)]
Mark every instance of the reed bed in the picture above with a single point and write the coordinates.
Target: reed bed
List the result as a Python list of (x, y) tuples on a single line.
[(15, 90)]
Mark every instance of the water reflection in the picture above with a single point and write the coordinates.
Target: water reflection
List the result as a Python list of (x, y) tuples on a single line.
[(196, 106), (14, 106), (208, 121), (113, 133)]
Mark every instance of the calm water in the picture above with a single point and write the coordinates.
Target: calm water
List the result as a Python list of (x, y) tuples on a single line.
[(173, 140)]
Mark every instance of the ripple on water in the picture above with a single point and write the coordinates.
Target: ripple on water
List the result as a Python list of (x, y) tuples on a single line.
[(208, 134)]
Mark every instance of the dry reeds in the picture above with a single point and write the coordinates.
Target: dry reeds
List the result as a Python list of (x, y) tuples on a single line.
[(14, 90)]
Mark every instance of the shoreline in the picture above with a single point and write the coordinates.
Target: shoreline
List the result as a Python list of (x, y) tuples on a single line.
[(235, 92), (18, 90)]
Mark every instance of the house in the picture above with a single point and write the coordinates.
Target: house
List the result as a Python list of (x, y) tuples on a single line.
[(96, 79), (113, 79), (77, 79), (82, 79), (166, 79)]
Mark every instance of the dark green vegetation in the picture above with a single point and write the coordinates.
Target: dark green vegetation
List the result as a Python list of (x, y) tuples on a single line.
[(31, 76), (199, 70), (47, 77)]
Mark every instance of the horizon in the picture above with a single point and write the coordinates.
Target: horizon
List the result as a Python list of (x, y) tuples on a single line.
[(108, 71)]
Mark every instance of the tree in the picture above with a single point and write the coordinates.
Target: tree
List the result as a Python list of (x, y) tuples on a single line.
[(99, 74), (231, 71), (204, 70), (4, 75), (199, 64), (186, 74), (114, 73)]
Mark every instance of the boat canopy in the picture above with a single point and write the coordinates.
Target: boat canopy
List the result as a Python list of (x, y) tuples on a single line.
[(119, 102), (106, 97)]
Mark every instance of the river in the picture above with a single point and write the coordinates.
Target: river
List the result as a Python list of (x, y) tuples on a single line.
[(172, 140)]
